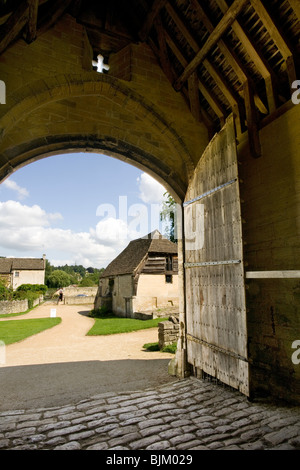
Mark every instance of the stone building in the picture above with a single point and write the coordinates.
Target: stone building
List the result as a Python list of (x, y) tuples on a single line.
[(143, 279), (205, 97), (17, 271)]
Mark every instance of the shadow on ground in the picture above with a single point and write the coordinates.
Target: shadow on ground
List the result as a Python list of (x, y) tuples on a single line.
[(48, 385)]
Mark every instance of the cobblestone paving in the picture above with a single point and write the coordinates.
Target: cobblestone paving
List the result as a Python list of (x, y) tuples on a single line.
[(189, 414)]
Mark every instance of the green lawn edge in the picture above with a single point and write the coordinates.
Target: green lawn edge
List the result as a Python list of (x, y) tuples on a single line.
[(116, 325), (13, 331)]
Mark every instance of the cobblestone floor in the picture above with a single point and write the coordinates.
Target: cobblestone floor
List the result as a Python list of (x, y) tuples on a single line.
[(190, 414)]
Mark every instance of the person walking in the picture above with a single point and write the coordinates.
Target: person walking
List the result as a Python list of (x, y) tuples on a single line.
[(60, 295)]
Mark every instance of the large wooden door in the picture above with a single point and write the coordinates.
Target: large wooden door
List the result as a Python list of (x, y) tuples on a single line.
[(216, 330)]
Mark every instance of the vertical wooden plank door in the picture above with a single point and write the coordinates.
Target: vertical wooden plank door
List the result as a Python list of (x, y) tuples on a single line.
[(214, 271)]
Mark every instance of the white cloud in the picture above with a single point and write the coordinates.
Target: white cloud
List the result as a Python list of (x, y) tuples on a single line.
[(14, 214), (30, 231), (114, 232), (151, 191), (21, 192), (26, 231)]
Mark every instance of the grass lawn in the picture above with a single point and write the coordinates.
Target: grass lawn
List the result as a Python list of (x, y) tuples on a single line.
[(111, 325), (12, 331)]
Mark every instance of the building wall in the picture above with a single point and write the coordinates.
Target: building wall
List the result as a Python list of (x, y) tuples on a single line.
[(27, 277), (123, 288), (154, 292), (271, 211)]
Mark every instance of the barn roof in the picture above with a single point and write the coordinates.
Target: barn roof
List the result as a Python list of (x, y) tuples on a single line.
[(128, 261), (223, 56)]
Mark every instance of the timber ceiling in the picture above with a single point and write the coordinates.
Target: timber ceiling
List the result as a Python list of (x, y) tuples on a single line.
[(224, 56)]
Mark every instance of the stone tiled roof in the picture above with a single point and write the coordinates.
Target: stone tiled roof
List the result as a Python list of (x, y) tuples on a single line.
[(7, 265), (132, 256)]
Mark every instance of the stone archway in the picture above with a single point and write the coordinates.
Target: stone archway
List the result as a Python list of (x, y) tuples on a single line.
[(69, 112)]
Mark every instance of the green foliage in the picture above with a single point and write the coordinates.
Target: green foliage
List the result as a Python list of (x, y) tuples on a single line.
[(58, 279), (78, 274), (87, 282), (171, 348), (151, 346), (101, 312), (39, 288), (168, 214)]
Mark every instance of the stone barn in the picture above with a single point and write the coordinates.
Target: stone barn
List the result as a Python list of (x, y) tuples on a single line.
[(143, 279), (205, 97)]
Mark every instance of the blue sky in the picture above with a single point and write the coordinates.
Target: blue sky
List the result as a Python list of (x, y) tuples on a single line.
[(77, 208)]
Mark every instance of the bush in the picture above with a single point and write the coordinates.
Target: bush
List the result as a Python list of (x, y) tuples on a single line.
[(39, 288), (101, 312), (171, 348)]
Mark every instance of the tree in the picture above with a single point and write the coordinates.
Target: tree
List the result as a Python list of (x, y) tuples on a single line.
[(59, 278), (167, 214)]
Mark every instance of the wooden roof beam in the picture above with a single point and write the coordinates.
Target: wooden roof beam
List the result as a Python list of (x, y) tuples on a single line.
[(229, 55), (252, 121), (232, 100), (259, 62), (193, 91), (53, 14), (277, 38), (295, 5), (13, 26), (216, 107), (214, 37), (202, 88), (162, 52), (155, 9), (33, 6)]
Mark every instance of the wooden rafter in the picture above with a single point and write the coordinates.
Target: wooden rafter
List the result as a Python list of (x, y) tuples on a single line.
[(259, 62), (295, 5), (216, 107), (163, 54), (193, 90), (53, 14), (33, 6), (229, 95), (220, 29), (13, 26), (207, 94), (155, 9), (277, 38), (251, 114), (229, 54)]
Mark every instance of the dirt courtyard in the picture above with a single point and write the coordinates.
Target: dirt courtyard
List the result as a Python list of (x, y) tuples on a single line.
[(62, 364)]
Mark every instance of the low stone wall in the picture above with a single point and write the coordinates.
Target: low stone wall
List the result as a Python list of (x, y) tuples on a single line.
[(13, 306), (78, 300), (17, 306), (73, 291), (168, 332)]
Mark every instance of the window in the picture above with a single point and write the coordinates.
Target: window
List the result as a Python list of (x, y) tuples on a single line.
[(169, 263), (17, 274), (169, 278)]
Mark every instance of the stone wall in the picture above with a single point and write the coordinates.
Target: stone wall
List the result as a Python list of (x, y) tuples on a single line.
[(73, 291), (17, 306), (14, 306), (271, 197), (75, 300), (168, 332)]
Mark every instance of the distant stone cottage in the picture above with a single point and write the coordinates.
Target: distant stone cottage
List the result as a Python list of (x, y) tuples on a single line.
[(143, 278), (17, 271)]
